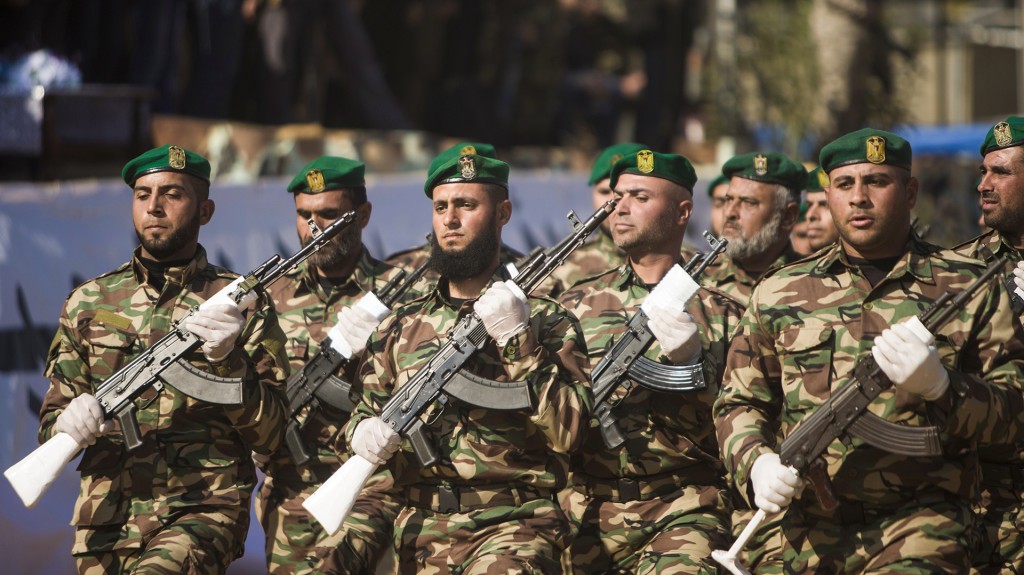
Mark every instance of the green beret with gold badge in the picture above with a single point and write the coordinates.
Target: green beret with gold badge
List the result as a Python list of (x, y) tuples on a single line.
[(461, 149), (866, 146), (605, 160), (1005, 134), (328, 173), (718, 181), (469, 168), (767, 167), (166, 158), (671, 167), (817, 180)]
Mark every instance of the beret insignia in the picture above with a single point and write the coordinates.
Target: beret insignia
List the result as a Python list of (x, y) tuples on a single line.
[(1002, 133), (468, 167), (315, 179), (760, 165), (875, 149), (176, 157), (645, 161)]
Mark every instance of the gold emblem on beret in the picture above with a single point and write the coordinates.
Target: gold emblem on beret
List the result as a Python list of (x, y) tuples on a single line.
[(760, 165), (176, 157), (875, 149), (613, 159), (645, 161), (1003, 134), (315, 179), (823, 179), (468, 166), (467, 149)]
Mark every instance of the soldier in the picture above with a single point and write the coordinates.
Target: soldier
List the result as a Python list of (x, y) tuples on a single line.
[(717, 190), (599, 254), (310, 300), (658, 502), (412, 258), (488, 504), (808, 324), (761, 208), (821, 230), (1000, 543), (798, 237), (180, 502)]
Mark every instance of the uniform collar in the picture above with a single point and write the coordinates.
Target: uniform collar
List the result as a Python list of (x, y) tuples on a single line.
[(360, 279), (178, 275), (916, 260)]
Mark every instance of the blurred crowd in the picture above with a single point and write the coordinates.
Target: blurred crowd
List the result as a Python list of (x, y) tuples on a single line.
[(530, 72)]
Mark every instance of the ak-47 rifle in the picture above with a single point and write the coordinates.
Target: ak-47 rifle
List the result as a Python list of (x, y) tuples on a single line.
[(846, 413), (316, 383), (161, 364), (626, 364), (442, 376)]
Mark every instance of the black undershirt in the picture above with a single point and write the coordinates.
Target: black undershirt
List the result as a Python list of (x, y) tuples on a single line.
[(874, 270), (158, 270)]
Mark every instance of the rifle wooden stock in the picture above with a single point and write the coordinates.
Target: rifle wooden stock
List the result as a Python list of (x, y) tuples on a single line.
[(34, 474), (333, 500)]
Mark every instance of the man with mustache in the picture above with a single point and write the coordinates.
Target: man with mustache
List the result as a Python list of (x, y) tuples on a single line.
[(311, 300), (179, 503), (998, 538), (761, 209), (717, 190), (487, 505), (658, 503), (810, 323), (821, 231)]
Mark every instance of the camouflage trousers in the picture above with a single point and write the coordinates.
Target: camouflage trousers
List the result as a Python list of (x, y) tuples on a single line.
[(497, 540), (763, 553), (922, 538), (671, 534), (999, 535), (297, 544), (202, 541)]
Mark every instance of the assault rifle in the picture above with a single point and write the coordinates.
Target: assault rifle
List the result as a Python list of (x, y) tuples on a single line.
[(163, 363), (846, 413), (625, 364), (441, 377), (315, 384)]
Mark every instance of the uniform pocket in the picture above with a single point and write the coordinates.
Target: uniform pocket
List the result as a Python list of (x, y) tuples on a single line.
[(110, 340), (203, 474), (806, 361), (102, 499)]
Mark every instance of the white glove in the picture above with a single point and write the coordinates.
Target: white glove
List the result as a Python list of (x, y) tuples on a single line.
[(504, 311), (775, 484), (218, 326), (906, 354), (1018, 279), (355, 324), (375, 441), (83, 420), (676, 332)]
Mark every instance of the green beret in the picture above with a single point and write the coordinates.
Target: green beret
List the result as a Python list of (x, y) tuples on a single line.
[(1005, 134), (459, 150), (166, 158), (605, 160), (817, 180), (768, 167), (718, 181), (867, 145), (469, 168), (328, 173), (671, 167), (801, 216)]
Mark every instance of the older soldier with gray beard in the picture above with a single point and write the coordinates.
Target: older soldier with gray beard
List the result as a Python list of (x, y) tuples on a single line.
[(760, 211)]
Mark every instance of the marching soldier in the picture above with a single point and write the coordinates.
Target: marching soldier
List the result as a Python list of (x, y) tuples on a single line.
[(808, 324), (717, 190), (821, 230), (657, 503), (488, 504), (311, 300), (179, 503), (1000, 543)]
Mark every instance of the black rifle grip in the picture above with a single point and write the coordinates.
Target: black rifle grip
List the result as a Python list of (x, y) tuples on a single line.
[(293, 439), (610, 432), (130, 427), (425, 452)]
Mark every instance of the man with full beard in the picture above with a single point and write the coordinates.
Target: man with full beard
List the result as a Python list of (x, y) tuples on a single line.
[(179, 503), (762, 205), (487, 505), (998, 538), (310, 301)]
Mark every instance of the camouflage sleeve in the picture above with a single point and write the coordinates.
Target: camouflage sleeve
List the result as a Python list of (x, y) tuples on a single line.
[(68, 372), (261, 417), (748, 406), (989, 408), (375, 380)]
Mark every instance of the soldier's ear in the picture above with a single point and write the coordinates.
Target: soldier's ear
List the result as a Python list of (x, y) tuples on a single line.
[(504, 211), (363, 214), (206, 209), (912, 185), (683, 211)]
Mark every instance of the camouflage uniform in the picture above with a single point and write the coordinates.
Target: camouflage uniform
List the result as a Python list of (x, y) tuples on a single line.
[(726, 275), (413, 258), (598, 255), (488, 505), (658, 503), (806, 327), (999, 531), (180, 502), (294, 541)]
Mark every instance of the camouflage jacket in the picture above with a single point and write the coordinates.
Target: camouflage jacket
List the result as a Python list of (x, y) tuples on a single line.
[(597, 256), (413, 258), (193, 453), (807, 326), (726, 275), (665, 432), (478, 446), (306, 313)]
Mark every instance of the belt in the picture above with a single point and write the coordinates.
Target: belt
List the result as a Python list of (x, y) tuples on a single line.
[(858, 513), (445, 498), (622, 489)]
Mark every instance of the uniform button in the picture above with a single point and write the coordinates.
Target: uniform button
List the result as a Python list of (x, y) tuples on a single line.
[(868, 306)]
